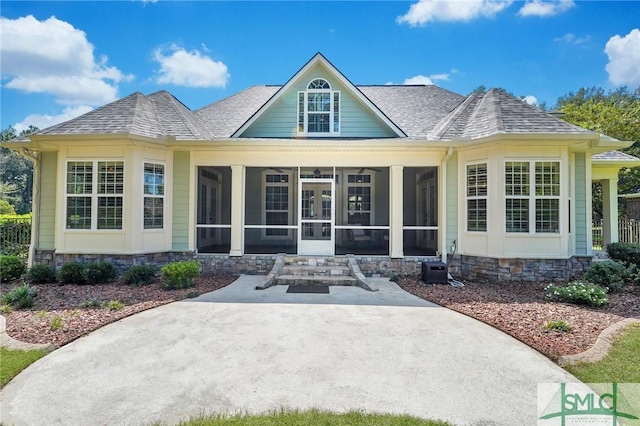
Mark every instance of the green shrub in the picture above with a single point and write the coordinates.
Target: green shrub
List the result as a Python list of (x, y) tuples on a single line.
[(139, 275), (578, 292), (114, 305), (557, 325), (42, 274), (11, 267), (99, 272), (56, 323), (624, 252), (608, 273), (177, 275), (20, 297), (72, 273), (91, 303)]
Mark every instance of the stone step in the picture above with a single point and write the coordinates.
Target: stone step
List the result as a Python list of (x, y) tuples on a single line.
[(315, 261), (305, 270), (315, 280)]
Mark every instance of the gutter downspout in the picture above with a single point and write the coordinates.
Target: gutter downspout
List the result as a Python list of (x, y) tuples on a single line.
[(443, 210), (35, 201)]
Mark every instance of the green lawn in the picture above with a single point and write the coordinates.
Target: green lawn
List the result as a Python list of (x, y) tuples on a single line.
[(312, 417), (622, 364), (13, 362)]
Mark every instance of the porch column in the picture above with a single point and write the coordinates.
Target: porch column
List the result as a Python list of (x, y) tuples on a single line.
[(609, 211), (237, 210), (396, 212)]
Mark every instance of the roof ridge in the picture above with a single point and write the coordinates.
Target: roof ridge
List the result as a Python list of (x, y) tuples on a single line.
[(485, 104), (448, 120)]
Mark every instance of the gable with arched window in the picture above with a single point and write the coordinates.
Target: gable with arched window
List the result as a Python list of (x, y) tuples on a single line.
[(319, 109)]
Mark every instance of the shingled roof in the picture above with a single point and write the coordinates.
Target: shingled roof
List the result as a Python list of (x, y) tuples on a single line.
[(421, 112)]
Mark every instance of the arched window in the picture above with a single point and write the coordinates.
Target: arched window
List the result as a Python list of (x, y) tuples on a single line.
[(319, 109)]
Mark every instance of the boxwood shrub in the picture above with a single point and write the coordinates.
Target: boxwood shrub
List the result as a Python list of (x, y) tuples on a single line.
[(177, 275), (42, 274), (624, 252), (11, 267)]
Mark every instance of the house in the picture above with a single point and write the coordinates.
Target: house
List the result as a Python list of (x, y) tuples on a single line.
[(394, 174)]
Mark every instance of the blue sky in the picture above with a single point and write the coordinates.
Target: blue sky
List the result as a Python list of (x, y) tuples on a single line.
[(60, 59)]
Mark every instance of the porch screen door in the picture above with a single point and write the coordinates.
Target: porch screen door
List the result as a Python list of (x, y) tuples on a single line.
[(316, 211)]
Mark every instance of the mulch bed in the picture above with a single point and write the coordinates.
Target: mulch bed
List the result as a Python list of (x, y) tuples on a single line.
[(68, 304), (521, 309)]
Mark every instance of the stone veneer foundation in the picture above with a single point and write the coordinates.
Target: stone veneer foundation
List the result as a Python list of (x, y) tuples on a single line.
[(470, 268)]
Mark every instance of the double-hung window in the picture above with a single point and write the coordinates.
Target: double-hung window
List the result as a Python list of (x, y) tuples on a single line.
[(319, 110), (153, 196), (359, 199), (95, 193), (532, 190), (477, 197)]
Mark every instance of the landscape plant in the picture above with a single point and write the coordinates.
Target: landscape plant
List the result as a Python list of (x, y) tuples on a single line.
[(627, 253), (177, 275), (139, 275), (99, 272), (610, 274), (72, 273), (557, 325), (20, 297), (42, 274), (578, 292), (12, 267)]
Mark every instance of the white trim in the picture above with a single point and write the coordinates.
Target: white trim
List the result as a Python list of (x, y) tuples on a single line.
[(163, 196), (93, 195), (306, 113)]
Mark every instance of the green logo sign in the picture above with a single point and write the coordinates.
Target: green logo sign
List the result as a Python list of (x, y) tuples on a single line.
[(612, 405)]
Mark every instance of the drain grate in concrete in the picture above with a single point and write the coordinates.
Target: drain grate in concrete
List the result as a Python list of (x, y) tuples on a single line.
[(317, 289)]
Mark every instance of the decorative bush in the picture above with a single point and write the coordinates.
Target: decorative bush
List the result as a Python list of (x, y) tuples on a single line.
[(578, 292), (177, 275), (11, 267), (42, 274), (20, 297), (99, 272), (72, 273), (608, 273), (624, 252), (139, 275), (557, 325)]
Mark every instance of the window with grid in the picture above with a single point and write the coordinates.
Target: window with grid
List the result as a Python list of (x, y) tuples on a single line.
[(359, 201), (319, 109), (103, 189), (532, 190), (276, 203), (477, 197), (153, 196)]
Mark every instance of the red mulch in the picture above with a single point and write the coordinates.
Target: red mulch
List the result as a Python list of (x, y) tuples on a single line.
[(521, 309), (68, 303)]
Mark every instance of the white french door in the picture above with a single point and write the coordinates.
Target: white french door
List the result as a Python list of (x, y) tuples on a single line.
[(316, 216)]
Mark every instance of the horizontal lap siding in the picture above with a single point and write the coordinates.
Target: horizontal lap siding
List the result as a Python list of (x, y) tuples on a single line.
[(180, 237), (451, 188), (281, 120), (47, 234)]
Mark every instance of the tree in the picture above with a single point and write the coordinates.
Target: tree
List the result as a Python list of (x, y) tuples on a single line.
[(16, 172), (615, 114)]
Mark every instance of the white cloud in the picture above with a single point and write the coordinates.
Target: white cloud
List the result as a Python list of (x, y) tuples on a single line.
[(42, 121), (442, 77), (450, 11), (419, 79), (571, 38), (545, 8), (531, 100), (52, 57), (624, 59), (191, 69)]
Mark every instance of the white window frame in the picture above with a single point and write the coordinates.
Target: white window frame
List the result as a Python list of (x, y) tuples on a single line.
[(477, 197), (346, 185), (95, 195), (334, 112), (532, 197), (155, 196), (290, 203)]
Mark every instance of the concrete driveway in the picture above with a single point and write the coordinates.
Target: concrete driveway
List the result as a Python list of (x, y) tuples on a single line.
[(242, 350)]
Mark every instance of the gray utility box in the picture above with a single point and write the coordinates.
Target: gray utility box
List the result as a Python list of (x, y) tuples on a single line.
[(435, 272)]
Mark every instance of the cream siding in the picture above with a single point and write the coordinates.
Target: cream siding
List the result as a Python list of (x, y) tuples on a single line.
[(451, 189), (580, 205)]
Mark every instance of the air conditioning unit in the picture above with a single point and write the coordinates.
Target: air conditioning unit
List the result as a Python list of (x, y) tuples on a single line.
[(435, 273)]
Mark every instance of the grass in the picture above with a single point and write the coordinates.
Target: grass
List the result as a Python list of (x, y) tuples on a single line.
[(14, 361), (313, 417)]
